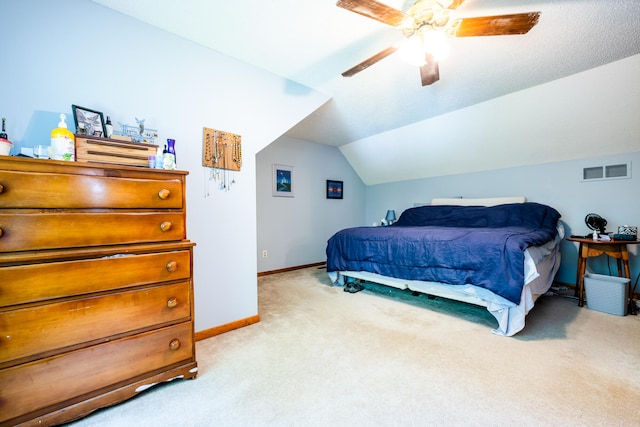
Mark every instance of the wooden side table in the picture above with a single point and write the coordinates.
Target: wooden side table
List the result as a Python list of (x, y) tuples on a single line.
[(592, 248)]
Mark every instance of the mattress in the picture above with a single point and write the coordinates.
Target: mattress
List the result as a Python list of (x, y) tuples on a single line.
[(501, 257), (541, 266)]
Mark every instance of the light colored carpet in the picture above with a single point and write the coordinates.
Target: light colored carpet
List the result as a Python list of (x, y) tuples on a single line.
[(321, 356)]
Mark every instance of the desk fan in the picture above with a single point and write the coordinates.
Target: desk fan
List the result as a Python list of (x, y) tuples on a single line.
[(595, 222)]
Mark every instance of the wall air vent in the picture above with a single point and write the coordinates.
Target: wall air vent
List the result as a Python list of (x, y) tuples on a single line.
[(619, 171)]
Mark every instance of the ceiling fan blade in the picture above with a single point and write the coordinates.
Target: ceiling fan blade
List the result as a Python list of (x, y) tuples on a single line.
[(498, 25), (374, 10), (455, 4), (430, 72), (369, 62)]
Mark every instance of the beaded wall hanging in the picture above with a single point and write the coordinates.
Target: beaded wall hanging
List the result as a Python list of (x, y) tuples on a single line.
[(222, 153)]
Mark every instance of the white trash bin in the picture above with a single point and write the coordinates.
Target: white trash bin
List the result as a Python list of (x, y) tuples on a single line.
[(607, 294)]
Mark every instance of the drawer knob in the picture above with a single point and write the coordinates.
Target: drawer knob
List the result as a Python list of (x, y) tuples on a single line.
[(172, 266), (165, 226), (172, 302), (164, 194), (0, 232), (174, 344), (1, 188)]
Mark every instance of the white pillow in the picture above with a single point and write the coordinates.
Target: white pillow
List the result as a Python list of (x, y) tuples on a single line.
[(491, 201)]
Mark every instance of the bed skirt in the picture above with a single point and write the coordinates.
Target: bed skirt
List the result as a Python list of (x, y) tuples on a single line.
[(511, 317)]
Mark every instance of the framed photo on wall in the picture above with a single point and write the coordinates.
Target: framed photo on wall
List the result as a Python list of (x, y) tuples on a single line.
[(334, 189), (88, 122), (283, 181)]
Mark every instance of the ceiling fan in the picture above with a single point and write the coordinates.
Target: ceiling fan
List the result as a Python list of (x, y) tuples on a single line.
[(429, 19)]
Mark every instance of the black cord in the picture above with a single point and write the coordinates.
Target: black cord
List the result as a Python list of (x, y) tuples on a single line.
[(633, 308), (632, 305), (633, 291)]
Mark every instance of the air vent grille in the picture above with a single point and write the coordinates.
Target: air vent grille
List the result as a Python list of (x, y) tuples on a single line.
[(618, 171)]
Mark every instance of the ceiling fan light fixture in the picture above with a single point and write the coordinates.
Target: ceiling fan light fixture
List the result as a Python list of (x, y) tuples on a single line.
[(435, 43), (429, 12), (412, 51), (426, 40)]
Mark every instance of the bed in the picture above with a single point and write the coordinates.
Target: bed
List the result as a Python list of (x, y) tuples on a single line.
[(500, 253)]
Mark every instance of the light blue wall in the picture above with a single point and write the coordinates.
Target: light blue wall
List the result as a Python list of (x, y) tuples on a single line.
[(589, 114), (559, 185), (294, 231), (77, 52), (58, 53)]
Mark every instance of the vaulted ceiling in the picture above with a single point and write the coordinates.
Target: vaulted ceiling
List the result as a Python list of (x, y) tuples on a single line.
[(313, 41)]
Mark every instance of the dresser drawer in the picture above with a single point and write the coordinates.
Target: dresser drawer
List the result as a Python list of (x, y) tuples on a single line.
[(38, 282), (29, 331), (46, 382), (69, 191), (35, 231)]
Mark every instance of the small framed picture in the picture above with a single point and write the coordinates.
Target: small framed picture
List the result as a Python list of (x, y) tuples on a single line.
[(334, 189), (88, 122), (283, 181)]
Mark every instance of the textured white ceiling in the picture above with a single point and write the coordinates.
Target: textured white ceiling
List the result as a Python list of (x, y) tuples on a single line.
[(313, 41)]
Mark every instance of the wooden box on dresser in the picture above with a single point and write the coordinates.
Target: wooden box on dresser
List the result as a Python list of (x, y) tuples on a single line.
[(96, 287)]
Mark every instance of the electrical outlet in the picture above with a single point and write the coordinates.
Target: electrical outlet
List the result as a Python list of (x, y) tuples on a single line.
[(264, 254)]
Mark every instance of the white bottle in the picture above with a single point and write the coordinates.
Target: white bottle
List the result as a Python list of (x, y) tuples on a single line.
[(595, 235), (109, 127), (159, 158), (62, 142)]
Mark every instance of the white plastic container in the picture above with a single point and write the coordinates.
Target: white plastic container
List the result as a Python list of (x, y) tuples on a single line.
[(5, 147), (607, 294)]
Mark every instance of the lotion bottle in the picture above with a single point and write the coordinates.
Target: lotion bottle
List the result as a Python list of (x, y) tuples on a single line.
[(62, 142), (159, 158), (109, 127)]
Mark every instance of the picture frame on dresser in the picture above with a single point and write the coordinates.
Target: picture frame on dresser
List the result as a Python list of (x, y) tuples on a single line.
[(88, 122)]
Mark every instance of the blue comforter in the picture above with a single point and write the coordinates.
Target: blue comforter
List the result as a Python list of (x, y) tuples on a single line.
[(482, 246)]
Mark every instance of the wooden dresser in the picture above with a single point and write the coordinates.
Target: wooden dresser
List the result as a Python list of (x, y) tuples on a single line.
[(96, 287)]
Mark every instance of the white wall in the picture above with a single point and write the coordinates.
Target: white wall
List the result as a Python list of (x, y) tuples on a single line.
[(589, 114), (77, 52), (555, 129), (294, 231), (557, 184)]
